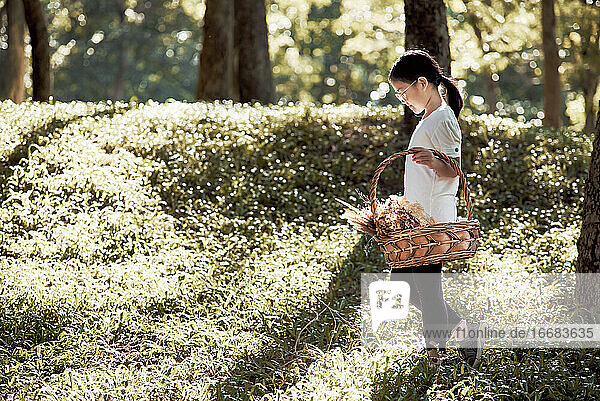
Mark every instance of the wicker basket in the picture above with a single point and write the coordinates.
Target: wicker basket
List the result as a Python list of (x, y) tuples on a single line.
[(440, 242)]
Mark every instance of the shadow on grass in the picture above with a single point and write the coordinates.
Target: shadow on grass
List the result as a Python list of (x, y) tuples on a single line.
[(329, 323), (30, 327), (45, 130), (34, 138), (308, 333), (336, 326), (332, 321), (287, 176), (31, 338)]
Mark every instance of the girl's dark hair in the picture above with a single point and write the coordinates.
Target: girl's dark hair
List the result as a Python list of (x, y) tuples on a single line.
[(418, 63)]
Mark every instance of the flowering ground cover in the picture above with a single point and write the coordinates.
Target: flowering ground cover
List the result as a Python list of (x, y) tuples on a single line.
[(195, 251)]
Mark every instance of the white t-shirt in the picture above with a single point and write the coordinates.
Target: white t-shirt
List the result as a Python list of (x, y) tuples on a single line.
[(437, 195)]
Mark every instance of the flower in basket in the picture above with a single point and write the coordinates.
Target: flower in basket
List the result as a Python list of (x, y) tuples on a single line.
[(394, 214)]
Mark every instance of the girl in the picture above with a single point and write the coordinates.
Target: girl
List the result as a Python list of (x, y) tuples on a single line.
[(420, 84)]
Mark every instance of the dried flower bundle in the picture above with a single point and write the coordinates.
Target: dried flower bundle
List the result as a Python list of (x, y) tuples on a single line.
[(394, 214)]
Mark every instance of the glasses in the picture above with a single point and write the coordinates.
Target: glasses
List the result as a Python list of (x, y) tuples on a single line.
[(402, 96)]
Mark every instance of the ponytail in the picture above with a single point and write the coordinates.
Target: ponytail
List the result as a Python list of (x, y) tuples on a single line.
[(453, 96)]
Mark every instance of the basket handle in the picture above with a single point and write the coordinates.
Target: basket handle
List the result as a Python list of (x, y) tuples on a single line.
[(453, 163)]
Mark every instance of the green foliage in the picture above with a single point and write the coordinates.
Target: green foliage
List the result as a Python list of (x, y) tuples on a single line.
[(25, 323), (521, 173), (117, 50), (405, 375), (334, 51), (580, 51), (326, 51), (341, 50), (194, 251)]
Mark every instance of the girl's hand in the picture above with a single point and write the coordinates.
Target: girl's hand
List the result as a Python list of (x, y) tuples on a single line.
[(424, 156)]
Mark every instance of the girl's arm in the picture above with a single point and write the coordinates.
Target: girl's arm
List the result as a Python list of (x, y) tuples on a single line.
[(426, 157), (444, 170)]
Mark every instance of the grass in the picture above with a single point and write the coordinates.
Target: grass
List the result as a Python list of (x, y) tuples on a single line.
[(194, 251)]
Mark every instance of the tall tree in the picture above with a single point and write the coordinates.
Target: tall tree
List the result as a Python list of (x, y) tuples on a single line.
[(506, 33), (151, 45), (215, 80), (491, 86), (11, 81), (590, 78), (552, 100), (478, 17), (40, 55), (122, 59), (251, 41), (426, 28), (583, 43), (587, 291), (324, 49)]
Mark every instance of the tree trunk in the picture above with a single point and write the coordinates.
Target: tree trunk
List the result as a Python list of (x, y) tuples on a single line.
[(235, 72), (590, 83), (491, 91), (491, 87), (552, 100), (122, 60), (251, 41), (587, 289), (3, 55), (426, 28), (14, 68), (215, 80), (40, 55)]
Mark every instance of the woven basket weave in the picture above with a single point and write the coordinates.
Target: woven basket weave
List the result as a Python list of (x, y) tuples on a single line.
[(440, 242)]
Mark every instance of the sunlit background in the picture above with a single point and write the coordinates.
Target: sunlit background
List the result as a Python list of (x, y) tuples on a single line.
[(323, 51)]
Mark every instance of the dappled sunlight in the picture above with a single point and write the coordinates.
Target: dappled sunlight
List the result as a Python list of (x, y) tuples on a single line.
[(197, 249)]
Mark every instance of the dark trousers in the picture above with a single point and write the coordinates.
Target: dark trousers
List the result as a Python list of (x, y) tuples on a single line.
[(426, 294)]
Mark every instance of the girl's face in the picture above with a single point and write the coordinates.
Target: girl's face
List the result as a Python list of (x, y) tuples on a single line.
[(416, 95)]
